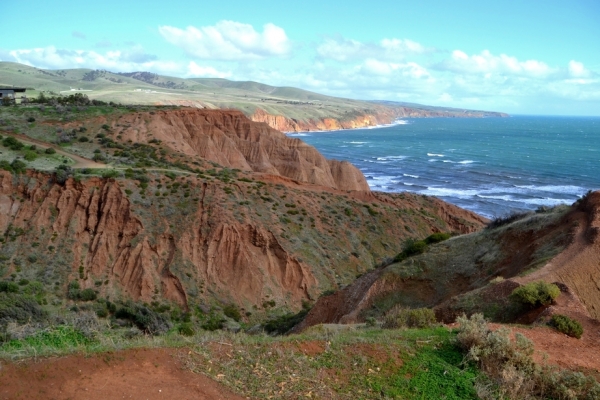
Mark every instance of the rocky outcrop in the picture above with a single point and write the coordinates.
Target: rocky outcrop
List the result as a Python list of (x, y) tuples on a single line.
[(230, 139)]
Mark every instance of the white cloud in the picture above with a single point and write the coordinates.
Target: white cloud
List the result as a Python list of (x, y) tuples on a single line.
[(409, 70), (577, 70), (197, 71), (229, 40), (342, 49), (486, 63), (133, 59)]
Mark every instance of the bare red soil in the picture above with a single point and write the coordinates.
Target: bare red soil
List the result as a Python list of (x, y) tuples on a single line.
[(131, 374)]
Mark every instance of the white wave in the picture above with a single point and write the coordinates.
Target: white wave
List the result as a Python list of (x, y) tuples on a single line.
[(387, 158), (466, 162), (448, 161), (447, 192), (412, 176), (547, 201), (381, 181), (435, 155), (356, 142), (564, 189)]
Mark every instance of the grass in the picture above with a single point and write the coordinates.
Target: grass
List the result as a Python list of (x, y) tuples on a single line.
[(360, 364)]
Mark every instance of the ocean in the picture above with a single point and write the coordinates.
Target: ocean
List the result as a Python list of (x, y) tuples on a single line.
[(492, 166)]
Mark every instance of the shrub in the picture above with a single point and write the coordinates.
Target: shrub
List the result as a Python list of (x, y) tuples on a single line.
[(213, 322), (30, 155), (400, 317), (87, 295), (282, 324), (83, 139), (510, 366), (411, 248), (567, 325), (19, 308), (437, 237), (507, 219), (536, 294), (50, 150), (231, 311), (186, 329), (62, 173), (144, 318), (73, 290), (12, 143), (111, 173), (9, 287), (18, 166)]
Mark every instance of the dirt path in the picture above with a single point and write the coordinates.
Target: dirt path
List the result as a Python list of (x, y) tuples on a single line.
[(131, 374)]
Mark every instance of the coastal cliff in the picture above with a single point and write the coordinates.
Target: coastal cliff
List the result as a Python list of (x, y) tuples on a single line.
[(363, 119)]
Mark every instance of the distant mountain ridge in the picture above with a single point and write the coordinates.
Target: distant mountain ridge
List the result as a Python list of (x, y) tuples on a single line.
[(283, 108)]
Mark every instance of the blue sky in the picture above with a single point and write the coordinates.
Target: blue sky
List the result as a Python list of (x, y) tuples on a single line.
[(521, 57)]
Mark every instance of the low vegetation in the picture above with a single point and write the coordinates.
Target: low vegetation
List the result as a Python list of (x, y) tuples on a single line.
[(415, 247), (510, 367), (536, 294), (566, 325), (400, 317)]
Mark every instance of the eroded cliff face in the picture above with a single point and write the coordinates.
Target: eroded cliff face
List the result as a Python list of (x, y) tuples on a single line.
[(361, 120), (247, 242), (230, 139)]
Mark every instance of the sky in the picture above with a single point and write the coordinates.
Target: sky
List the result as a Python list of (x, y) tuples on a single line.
[(522, 57)]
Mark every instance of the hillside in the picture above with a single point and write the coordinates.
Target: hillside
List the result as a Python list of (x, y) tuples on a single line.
[(477, 272), (283, 108), (160, 243), (194, 208)]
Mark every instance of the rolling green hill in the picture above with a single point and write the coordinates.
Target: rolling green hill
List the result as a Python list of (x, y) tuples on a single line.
[(148, 88)]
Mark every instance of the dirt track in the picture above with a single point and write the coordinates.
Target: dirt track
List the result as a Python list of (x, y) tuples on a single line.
[(132, 374)]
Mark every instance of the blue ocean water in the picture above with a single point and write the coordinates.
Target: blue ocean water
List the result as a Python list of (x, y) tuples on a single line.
[(491, 166)]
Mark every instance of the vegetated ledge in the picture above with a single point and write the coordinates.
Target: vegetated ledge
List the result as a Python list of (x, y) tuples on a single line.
[(477, 272)]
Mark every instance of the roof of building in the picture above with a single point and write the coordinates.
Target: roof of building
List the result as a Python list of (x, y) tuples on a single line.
[(16, 89)]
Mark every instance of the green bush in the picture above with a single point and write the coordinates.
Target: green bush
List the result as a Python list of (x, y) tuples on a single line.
[(437, 237), (400, 317), (73, 290), (231, 311), (87, 295), (19, 308), (111, 173), (50, 150), (186, 329), (12, 143), (567, 325), (9, 287), (536, 294), (30, 155), (18, 166), (411, 248), (282, 324), (144, 318), (213, 322)]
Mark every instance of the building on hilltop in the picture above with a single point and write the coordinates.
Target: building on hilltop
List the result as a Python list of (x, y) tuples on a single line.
[(9, 93)]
